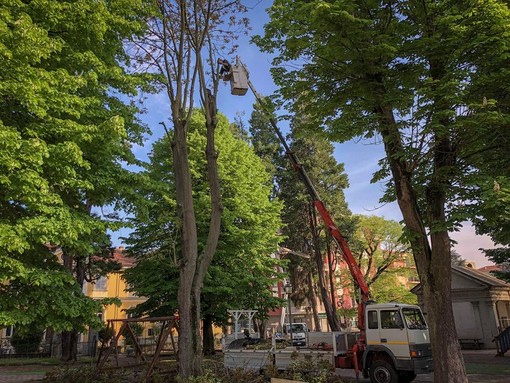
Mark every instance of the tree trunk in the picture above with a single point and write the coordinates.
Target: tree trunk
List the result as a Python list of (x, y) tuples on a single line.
[(69, 339), (312, 298), (208, 335), (69, 346), (331, 277), (432, 260), (194, 266), (189, 339), (334, 323)]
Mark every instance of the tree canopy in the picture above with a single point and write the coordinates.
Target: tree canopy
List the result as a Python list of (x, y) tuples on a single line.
[(65, 134), (424, 77), (242, 271), (386, 259)]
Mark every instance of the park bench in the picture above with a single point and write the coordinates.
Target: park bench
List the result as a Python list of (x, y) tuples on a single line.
[(471, 343)]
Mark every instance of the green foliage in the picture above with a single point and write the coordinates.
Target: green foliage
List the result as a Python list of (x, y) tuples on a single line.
[(137, 330), (380, 246), (27, 338), (242, 271), (329, 179), (266, 144), (307, 370), (383, 253), (43, 294), (105, 334), (391, 287), (65, 135), (435, 69), (501, 257), (494, 220)]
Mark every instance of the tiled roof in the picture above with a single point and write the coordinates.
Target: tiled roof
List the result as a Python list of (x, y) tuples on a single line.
[(485, 278), (120, 256), (488, 269)]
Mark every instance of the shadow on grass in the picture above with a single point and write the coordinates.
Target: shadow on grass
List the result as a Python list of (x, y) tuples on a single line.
[(41, 361), (487, 369)]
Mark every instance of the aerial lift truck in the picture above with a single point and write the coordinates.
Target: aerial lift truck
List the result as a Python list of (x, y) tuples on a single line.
[(393, 345)]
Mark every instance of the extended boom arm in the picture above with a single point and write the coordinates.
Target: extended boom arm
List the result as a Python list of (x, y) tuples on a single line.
[(326, 217)]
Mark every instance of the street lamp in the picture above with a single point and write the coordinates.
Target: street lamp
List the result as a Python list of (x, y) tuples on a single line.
[(288, 290)]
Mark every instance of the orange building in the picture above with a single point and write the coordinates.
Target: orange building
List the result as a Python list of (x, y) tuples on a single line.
[(114, 286)]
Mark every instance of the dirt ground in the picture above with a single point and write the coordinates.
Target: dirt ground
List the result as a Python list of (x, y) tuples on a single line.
[(482, 367)]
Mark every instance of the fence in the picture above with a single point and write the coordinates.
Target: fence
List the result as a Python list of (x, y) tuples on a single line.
[(503, 341), (52, 349)]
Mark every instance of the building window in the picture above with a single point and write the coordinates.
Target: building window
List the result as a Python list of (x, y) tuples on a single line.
[(8, 331), (101, 284)]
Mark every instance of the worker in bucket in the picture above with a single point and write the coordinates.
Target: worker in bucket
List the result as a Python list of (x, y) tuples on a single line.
[(225, 69)]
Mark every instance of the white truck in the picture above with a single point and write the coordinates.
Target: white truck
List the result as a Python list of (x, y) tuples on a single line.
[(296, 333), (396, 346)]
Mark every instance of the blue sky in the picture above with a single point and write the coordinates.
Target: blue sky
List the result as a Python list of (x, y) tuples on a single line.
[(360, 158)]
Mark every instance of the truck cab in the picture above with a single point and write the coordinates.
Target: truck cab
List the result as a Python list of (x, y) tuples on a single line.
[(397, 343)]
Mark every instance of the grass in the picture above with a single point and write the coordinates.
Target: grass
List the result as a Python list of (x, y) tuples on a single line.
[(30, 372), (487, 369), (40, 361)]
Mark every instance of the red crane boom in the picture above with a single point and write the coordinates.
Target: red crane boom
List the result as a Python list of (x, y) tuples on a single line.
[(331, 227)]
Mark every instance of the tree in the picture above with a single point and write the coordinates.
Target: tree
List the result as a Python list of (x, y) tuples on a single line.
[(495, 224), (385, 259), (380, 245), (242, 272), (266, 143), (390, 288), (27, 339), (181, 46), (66, 134), (302, 230), (457, 259), (410, 73)]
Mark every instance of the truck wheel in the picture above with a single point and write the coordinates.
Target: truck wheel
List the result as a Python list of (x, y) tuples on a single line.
[(406, 377), (382, 372)]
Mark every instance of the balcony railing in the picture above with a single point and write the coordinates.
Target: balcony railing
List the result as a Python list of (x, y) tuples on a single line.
[(503, 341)]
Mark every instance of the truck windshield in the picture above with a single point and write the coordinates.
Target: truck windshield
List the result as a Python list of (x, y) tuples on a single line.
[(297, 327), (414, 319)]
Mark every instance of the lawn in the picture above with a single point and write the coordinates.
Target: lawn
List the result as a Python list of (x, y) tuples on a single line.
[(488, 369)]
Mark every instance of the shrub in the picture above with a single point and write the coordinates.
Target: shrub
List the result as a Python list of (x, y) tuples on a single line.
[(105, 335), (86, 374), (137, 329), (26, 339)]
